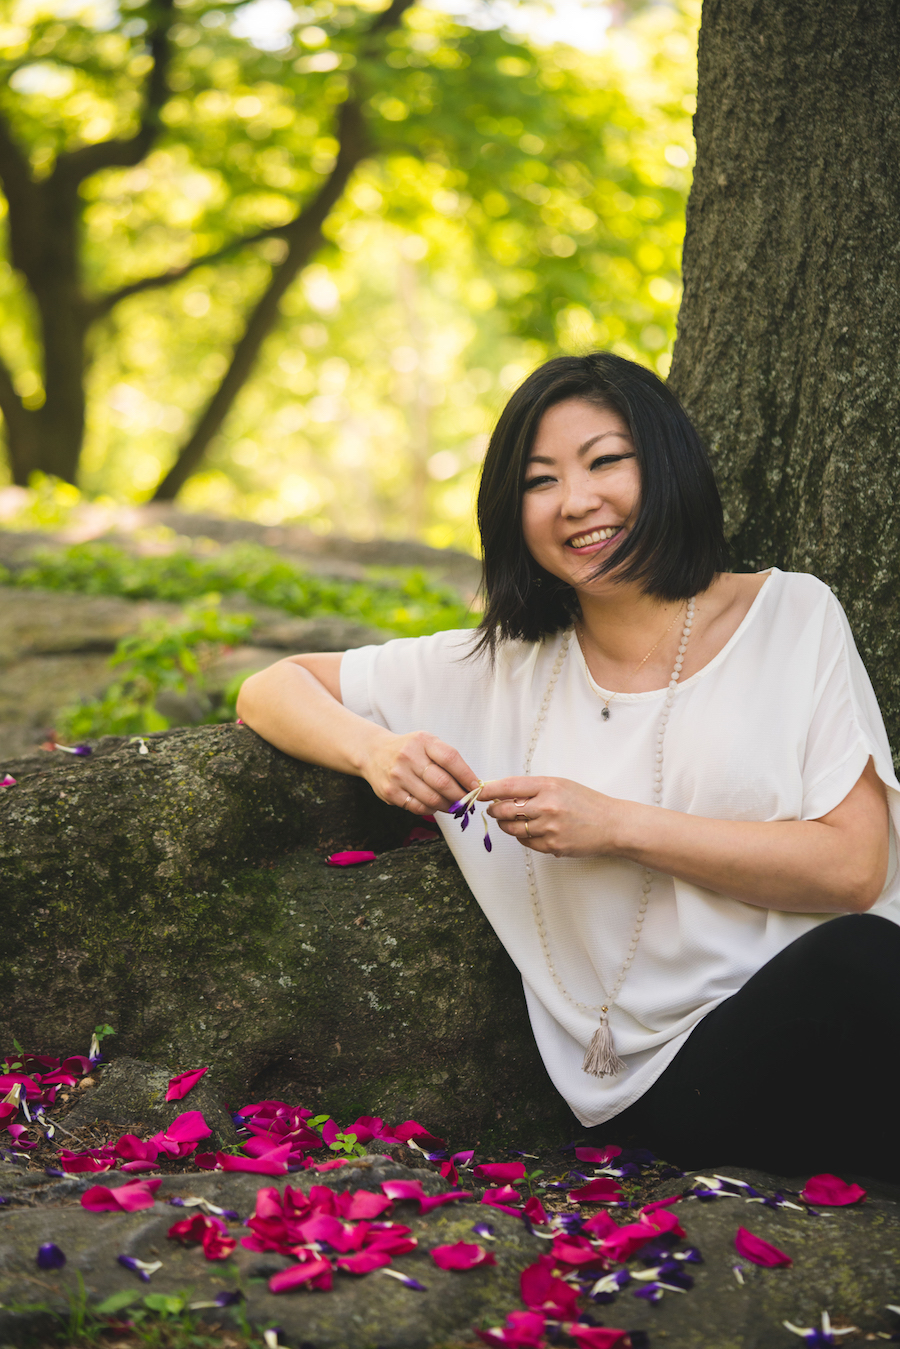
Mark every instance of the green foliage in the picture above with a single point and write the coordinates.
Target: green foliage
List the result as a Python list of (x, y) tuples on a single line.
[(403, 602), (175, 656), (161, 656), (518, 201)]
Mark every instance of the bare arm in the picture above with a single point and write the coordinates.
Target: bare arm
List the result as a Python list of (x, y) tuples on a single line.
[(835, 864), (296, 706)]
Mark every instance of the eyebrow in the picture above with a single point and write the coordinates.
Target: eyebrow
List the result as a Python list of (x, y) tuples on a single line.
[(582, 449)]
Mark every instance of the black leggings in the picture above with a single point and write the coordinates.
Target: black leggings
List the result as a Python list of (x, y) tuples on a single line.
[(797, 1073)]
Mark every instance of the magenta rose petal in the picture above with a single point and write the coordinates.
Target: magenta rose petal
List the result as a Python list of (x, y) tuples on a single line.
[(286, 1279), (760, 1252), (8, 781), (500, 1171), (596, 1191), (353, 858), (596, 1337), (364, 1262), (831, 1190), (182, 1083), (462, 1255)]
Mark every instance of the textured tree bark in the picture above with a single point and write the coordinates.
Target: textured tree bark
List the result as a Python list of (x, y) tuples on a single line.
[(789, 333)]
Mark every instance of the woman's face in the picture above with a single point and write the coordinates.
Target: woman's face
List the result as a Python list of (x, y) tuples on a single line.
[(582, 489)]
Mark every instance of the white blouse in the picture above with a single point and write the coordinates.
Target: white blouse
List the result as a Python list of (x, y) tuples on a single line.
[(778, 726)]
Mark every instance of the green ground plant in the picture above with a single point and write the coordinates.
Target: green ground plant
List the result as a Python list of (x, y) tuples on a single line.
[(167, 656), (402, 601)]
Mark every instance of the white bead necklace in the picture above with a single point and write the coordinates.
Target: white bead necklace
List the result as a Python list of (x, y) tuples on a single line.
[(601, 1059)]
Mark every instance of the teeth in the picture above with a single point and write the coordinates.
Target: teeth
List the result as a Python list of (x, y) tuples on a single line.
[(598, 536)]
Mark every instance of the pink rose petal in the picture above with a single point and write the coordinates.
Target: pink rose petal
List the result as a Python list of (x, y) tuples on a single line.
[(8, 781), (828, 1189), (758, 1251), (601, 1156), (137, 1194), (313, 1270), (596, 1337), (349, 859), (462, 1255), (364, 1262), (660, 1203), (417, 1132), (273, 1164), (181, 1084), (601, 1190), (523, 1330), (500, 1171), (536, 1213)]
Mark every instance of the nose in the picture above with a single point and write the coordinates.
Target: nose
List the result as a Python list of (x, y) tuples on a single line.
[(581, 494)]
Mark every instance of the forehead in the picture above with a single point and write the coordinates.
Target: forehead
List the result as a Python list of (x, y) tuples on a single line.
[(575, 425)]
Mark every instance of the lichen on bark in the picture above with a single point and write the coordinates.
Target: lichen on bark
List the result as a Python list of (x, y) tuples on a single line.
[(789, 331)]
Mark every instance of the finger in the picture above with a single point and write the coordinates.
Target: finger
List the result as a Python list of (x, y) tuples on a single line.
[(520, 808), (448, 771), (511, 788)]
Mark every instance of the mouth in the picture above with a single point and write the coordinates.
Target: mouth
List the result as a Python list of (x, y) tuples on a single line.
[(595, 538)]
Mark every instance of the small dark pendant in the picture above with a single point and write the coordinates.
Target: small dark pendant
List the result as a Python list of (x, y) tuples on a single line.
[(604, 712)]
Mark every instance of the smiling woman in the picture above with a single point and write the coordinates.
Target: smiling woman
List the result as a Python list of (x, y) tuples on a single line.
[(696, 871)]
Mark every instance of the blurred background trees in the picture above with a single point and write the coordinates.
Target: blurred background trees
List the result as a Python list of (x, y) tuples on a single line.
[(470, 200)]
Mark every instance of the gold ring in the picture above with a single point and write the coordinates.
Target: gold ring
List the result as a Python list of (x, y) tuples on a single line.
[(521, 817), (527, 830), (407, 801)]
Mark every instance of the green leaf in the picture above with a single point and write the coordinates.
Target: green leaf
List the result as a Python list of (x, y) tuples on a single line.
[(167, 1304), (116, 1301)]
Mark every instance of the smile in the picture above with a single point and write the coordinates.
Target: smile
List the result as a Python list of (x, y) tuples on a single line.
[(596, 536)]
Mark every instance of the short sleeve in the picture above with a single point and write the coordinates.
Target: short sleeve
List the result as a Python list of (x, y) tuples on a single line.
[(846, 728), (416, 684)]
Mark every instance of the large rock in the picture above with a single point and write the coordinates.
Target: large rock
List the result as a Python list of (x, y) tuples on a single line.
[(845, 1262), (183, 897)]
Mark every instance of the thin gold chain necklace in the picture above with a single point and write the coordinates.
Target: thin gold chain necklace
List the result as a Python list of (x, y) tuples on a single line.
[(601, 1059), (640, 665)]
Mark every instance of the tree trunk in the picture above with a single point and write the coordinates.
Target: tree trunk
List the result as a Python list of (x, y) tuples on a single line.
[(789, 333)]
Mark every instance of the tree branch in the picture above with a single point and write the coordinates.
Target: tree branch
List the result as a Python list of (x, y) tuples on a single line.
[(77, 165), (304, 236), (100, 307)]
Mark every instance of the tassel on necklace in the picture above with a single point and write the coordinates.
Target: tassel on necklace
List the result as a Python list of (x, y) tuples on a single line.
[(601, 1059)]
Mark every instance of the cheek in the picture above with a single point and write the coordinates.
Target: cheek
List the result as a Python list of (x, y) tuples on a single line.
[(534, 529)]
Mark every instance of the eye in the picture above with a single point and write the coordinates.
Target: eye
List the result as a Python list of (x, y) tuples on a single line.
[(606, 460), (540, 481)]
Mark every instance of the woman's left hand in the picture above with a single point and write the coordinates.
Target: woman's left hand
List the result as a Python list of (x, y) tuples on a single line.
[(554, 815)]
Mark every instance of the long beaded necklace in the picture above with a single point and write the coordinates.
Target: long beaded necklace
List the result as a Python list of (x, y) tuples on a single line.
[(601, 1059)]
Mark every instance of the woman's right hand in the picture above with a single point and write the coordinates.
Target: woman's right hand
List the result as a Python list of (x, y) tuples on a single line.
[(417, 772)]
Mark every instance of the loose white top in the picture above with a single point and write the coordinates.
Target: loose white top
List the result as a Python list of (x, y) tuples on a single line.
[(778, 726)]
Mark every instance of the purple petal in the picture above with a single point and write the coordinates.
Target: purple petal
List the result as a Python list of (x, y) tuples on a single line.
[(82, 750), (488, 845), (465, 821), (455, 807), (226, 1299), (651, 1292), (49, 1256), (483, 1229)]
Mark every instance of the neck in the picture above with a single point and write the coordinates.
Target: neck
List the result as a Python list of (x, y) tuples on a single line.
[(621, 625)]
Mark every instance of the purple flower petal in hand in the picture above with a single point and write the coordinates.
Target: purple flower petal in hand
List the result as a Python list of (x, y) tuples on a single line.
[(50, 1256)]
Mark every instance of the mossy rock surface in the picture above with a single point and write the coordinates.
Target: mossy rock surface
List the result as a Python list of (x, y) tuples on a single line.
[(183, 897)]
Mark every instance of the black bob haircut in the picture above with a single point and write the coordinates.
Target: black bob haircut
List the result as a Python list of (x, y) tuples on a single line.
[(677, 545)]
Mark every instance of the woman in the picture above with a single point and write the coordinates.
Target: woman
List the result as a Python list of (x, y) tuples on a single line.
[(693, 858)]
